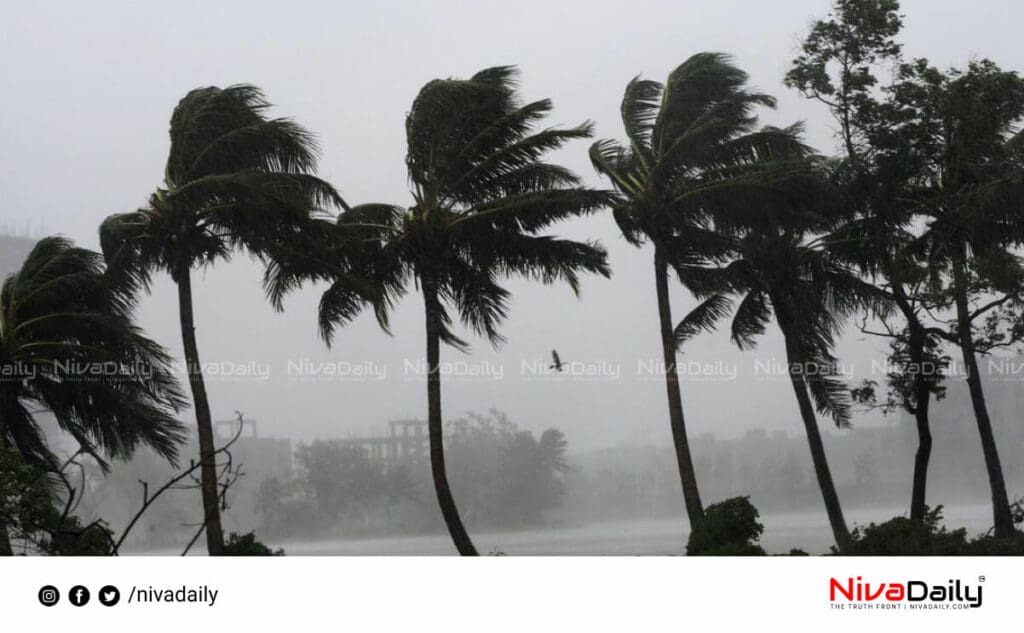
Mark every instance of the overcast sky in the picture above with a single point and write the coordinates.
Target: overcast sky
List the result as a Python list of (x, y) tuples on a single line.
[(88, 91)]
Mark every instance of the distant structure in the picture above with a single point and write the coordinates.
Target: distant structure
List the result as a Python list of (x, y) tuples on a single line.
[(406, 439)]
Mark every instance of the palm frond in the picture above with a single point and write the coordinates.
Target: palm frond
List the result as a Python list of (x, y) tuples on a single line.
[(830, 393), (695, 85), (618, 164), (108, 386), (752, 315), (481, 303), (639, 111), (544, 258), (703, 318)]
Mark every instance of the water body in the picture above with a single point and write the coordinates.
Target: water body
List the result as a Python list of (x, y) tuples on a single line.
[(652, 537)]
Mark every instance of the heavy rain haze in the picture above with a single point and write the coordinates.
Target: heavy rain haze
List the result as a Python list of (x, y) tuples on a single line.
[(88, 94)]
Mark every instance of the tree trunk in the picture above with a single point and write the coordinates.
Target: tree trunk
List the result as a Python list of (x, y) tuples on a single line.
[(687, 476), (435, 425), (5, 539), (840, 532), (204, 424), (1002, 518), (922, 397), (5, 542)]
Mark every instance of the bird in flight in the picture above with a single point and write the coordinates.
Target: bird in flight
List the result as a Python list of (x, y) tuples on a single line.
[(557, 364)]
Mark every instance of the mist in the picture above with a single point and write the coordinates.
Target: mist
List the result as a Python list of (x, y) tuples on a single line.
[(89, 92)]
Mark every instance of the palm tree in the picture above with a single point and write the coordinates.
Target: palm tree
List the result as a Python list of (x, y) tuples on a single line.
[(68, 347), (234, 179), (782, 267), (481, 194), (691, 141)]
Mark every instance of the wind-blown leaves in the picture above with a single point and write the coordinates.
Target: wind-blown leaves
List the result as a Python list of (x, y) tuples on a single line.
[(72, 350), (693, 158), (703, 317), (780, 262), (752, 315), (640, 106), (701, 84), (235, 179), (482, 195), (693, 152)]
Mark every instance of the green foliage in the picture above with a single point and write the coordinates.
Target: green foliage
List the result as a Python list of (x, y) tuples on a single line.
[(235, 178), (284, 509), (779, 265), (730, 528), (482, 198), (504, 475), (907, 377), (901, 536), (68, 345), (31, 514), (26, 497), (247, 545), (335, 481), (693, 150), (339, 477), (69, 537), (694, 161), (837, 63)]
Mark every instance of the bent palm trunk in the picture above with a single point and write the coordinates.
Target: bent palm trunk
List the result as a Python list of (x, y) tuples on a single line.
[(687, 476), (204, 424), (435, 427), (840, 532), (1002, 518)]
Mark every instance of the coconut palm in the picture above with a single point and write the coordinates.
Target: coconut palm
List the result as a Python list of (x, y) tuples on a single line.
[(235, 178), (69, 348), (481, 196), (781, 267), (691, 142)]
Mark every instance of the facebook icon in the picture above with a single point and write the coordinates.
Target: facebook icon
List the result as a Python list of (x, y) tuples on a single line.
[(78, 595)]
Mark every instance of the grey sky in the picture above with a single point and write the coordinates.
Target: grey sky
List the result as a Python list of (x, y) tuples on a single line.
[(89, 88)]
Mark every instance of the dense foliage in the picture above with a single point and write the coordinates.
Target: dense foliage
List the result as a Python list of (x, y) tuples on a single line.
[(730, 528), (501, 474)]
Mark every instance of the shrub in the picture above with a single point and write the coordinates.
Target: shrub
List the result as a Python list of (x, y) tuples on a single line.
[(730, 528), (247, 545), (902, 536)]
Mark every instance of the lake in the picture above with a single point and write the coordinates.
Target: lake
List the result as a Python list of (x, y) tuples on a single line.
[(649, 537)]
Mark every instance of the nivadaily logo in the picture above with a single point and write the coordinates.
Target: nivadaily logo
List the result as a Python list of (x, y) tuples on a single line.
[(908, 594)]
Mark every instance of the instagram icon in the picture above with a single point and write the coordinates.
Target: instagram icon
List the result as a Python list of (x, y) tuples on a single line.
[(49, 596)]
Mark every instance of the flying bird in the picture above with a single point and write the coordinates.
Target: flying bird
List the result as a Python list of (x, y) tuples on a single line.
[(557, 365)]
